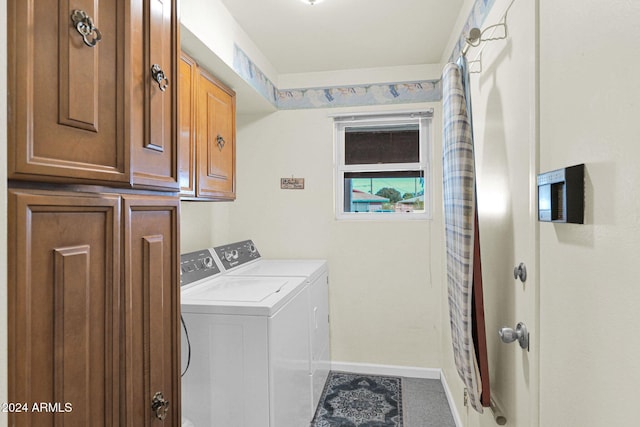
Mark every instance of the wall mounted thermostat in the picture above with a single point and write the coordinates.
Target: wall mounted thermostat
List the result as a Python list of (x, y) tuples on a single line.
[(561, 195)]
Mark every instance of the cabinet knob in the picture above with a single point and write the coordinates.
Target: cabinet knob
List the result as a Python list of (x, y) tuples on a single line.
[(84, 25), (160, 406), (158, 76), (220, 141)]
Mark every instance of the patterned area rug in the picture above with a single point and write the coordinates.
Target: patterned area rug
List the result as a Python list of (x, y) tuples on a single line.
[(354, 400)]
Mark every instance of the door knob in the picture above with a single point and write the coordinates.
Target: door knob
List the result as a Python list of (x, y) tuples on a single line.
[(520, 334), (520, 272)]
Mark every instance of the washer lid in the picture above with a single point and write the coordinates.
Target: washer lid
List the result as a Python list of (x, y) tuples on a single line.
[(259, 296), (309, 268), (239, 289)]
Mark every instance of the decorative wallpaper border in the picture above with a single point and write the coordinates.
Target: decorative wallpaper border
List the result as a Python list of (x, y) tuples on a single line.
[(250, 73), (354, 95), (334, 96), (358, 95)]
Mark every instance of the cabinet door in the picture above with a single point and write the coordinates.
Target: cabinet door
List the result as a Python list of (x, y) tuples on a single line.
[(187, 90), (216, 126), (63, 308), (151, 301), (66, 105), (153, 125)]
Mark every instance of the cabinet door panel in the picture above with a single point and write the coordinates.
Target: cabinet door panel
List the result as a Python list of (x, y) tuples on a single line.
[(154, 144), (66, 105), (216, 139), (64, 308), (187, 136), (151, 278), (160, 53)]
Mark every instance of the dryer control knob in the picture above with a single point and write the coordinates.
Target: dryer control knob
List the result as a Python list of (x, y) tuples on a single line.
[(229, 255)]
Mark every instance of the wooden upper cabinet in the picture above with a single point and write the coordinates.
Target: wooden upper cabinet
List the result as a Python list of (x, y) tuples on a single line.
[(155, 75), (215, 139), (216, 145), (207, 136), (83, 107), (187, 97), (66, 103)]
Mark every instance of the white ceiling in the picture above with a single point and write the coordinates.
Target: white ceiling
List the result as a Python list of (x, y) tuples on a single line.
[(347, 34)]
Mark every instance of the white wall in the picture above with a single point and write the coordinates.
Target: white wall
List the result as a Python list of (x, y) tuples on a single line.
[(385, 307), (590, 298), (211, 22), (406, 73)]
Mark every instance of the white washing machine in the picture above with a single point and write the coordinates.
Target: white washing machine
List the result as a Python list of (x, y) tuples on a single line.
[(244, 259), (249, 347)]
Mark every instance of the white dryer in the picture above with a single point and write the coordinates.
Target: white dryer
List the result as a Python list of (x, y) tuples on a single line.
[(249, 347), (244, 259)]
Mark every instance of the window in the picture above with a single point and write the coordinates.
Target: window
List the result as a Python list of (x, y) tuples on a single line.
[(382, 166)]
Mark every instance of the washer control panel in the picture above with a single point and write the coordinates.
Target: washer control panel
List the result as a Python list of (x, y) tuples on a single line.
[(236, 254), (196, 266)]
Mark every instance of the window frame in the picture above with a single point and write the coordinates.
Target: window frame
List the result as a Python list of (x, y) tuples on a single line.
[(424, 121)]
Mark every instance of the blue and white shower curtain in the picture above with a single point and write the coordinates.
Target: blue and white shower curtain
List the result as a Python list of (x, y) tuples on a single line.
[(460, 224)]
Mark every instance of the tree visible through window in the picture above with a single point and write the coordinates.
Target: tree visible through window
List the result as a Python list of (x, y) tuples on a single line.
[(382, 165)]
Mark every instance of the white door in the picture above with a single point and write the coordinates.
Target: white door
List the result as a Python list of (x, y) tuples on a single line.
[(504, 96)]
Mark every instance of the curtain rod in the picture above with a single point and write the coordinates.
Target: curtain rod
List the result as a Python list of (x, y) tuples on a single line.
[(425, 112)]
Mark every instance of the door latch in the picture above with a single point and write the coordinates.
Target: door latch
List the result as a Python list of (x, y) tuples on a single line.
[(520, 272)]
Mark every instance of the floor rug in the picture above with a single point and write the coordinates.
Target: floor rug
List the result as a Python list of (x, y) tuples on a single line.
[(354, 400)]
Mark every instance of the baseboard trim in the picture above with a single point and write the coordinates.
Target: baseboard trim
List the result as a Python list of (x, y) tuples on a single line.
[(394, 370), (450, 399), (403, 371)]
